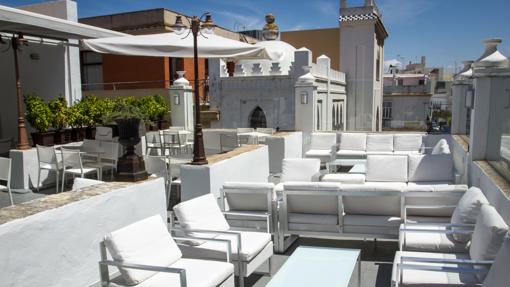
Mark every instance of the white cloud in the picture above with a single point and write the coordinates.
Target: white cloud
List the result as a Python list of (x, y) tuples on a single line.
[(392, 62)]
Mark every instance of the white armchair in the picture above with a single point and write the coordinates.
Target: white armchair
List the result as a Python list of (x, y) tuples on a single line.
[(352, 145), (202, 217), (455, 269), (146, 255)]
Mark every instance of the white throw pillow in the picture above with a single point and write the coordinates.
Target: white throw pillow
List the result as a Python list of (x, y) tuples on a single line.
[(323, 141), (300, 169), (441, 147), (467, 210), (488, 236), (146, 242), (430, 168)]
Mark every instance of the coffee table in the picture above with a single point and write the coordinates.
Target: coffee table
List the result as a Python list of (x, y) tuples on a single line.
[(318, 266)]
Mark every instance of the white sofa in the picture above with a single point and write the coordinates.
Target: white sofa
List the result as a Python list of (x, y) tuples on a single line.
[(321, 145), (458, 269)]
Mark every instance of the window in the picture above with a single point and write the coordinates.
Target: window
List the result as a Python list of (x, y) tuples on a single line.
[(91, 71), (421, 82), (400, 82), (387, 110), (378, 67)]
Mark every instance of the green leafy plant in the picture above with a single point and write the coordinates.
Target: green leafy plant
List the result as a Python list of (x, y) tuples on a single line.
[(38, 113), (75, 116), (154, 107), (59, 113), (94, 109), (124, 111)]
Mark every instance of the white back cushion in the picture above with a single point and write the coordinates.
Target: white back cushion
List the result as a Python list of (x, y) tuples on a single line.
[(146, 242), (430, 167), (324, 141), (386, 168), (407, 142), (498, 274), (202, 212), (467, 210), (488, 236), (379, 142), (300, 169), (441, 147), (387, 203), (248, 196), (324, 202), (353, 141)]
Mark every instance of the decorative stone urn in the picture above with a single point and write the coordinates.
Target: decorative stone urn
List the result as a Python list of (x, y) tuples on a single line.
[(131, 166), (270, 30)]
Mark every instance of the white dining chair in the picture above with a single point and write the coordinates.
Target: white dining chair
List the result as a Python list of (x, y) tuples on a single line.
[(47, 160), (109, 158), (153, 141), (72, 164), (5, 175), (104, 134)]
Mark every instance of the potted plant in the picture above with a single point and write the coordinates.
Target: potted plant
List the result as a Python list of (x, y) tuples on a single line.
[(128, 118), (58, 108), (94, 109), (155, 108), (38, 114), (76, 120), (162, 111)]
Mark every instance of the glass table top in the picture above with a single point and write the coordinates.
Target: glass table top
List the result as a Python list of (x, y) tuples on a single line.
[(317, 266)]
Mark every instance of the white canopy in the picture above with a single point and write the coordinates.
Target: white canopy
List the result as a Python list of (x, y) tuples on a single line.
[(179, 46)]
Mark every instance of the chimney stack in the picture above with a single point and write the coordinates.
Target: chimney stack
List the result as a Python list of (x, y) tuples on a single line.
[(369, 3), (343, 4)]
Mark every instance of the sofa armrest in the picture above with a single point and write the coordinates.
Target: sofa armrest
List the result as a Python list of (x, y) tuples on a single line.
[(181, 272), (445, 231), (317, 177), (445, 260), (267, 216), (187, 231), (186, 239)]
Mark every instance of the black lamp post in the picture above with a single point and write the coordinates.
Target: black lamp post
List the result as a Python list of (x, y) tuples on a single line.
[(197, 27)]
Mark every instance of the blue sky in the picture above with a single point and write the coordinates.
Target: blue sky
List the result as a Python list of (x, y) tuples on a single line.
[(446, 31)]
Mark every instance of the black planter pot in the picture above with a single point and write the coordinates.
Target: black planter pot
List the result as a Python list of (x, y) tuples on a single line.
[(67, 136), (90, 133), (163, 124), (59, 137), (77, 134), (131, 166), (45, 139)]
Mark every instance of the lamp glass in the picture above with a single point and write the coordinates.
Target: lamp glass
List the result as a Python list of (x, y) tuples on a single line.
[(179, 28)]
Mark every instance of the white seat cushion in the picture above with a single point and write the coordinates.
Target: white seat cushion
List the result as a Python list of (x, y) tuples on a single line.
[(318, 153), (201, 212), (430, 168), (251, 244), (488, 236), (322, 141), (429, 241), (344, 178), (306, 218), (380, 143), (351, 153), (300, 169), (468, 209), (146, 242), (498, 274), (385, 168), (407, 142), (379, 152), (353, 141), (406, 152), (199, 273), (411, 277)]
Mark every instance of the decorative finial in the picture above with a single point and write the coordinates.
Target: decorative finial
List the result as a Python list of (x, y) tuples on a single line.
[(271, 30)]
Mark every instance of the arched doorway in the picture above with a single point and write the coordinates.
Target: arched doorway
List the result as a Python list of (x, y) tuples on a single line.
[(258, 118)]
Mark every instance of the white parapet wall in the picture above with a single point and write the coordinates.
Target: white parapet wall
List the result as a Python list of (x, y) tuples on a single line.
[(54, 241), (245, 164)]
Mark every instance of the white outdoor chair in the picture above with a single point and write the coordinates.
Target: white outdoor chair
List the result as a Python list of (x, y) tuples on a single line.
[(72, 164), (109, 158), (87, 147), (450, 237), (321, 146), (455, 269), (228, 142), (352, 145), (202, 216), (175, 141), (5, 175), (159, 166), (256, 198), (5, 147), (147, 255), (47, 160), (104, 134), (153, 141), (176, 128)]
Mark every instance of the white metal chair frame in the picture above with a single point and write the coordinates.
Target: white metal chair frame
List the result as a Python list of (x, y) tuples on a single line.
[(5, 175), (72, 164), (153, 140), (110, 158), (175, 140), (48, 162), (160, 166)]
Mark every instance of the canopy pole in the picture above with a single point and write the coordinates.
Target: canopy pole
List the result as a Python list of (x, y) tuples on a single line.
[(198, 143), (22, 131)]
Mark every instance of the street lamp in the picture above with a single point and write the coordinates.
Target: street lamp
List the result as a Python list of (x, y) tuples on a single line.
[(197, 27)]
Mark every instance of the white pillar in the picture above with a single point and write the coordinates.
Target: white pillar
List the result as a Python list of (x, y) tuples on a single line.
[(462, 91), (492, 98), (181, 98), (324, 62), (306, 95)]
